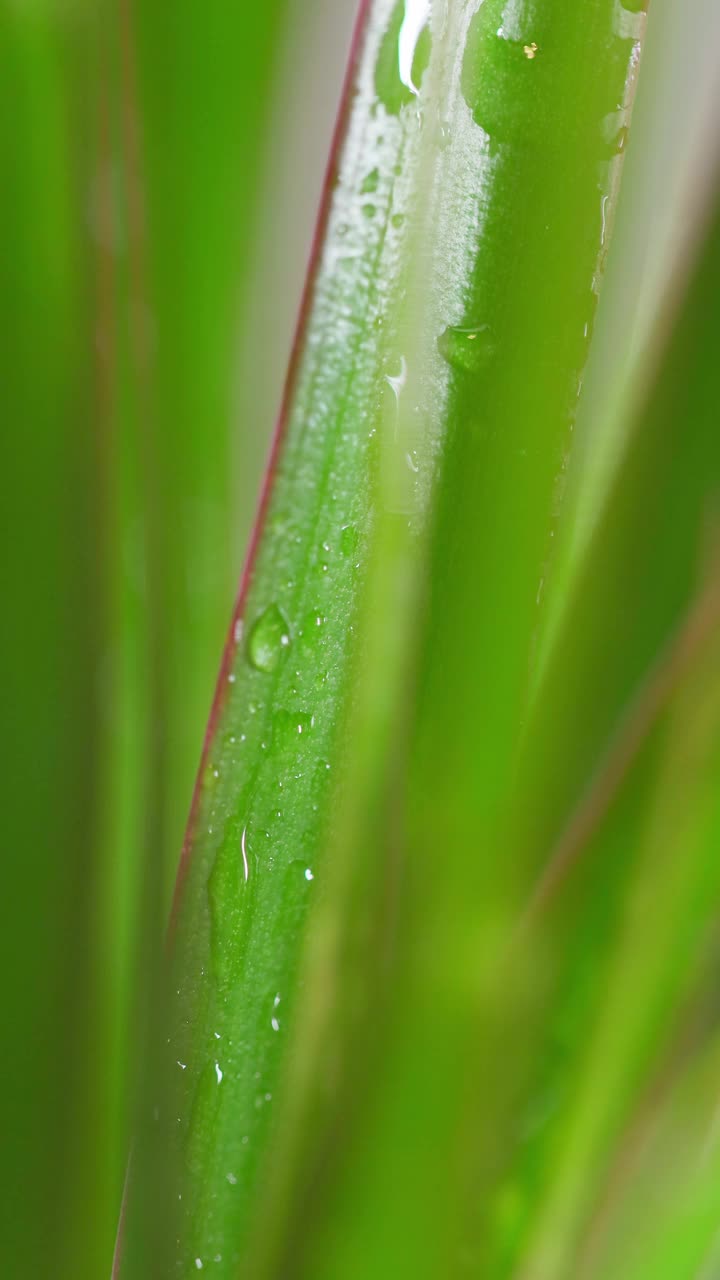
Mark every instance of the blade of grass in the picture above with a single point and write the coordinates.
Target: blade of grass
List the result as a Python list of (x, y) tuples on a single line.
[(52, 638), (617, 942), (417, 316)]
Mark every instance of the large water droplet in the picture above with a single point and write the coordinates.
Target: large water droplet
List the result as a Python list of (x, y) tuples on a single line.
[(503, 55), (269, 639), (467, 348), (404, 55)]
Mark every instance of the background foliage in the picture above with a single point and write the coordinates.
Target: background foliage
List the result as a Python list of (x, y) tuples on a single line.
[(160, 178)]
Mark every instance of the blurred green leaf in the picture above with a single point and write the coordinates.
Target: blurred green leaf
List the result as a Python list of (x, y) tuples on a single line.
[(52, 638)]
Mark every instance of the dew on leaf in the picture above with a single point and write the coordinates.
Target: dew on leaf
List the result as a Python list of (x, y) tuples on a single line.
[(404, 55), (370, 182), (467, 348), (268, 640), (348, 539)]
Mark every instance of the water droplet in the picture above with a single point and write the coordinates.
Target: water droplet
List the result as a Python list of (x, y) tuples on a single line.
[(396, 381), (404, 55), (497, 81), (370, 182), (603, 218), (348, 539), (231, 1179), (620, 140), (414, 22), (629, 19), (198, 1264), (268, 639), (218, 1073), (274, 1024), (369, 211), (467, 348), (292, 728), (398, 220), (308, 874)]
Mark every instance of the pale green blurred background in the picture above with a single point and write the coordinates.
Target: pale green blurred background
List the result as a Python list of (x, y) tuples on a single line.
[(161, 166)]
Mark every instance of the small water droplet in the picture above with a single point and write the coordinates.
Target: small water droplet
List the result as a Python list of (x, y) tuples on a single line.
[(603, 218), (198, 1264), (231, 1179), (398, 220), (621, 139), (396, 381), (370, 182), (268, 638), (274, 1024), (292, 728), (467, 348), (369, 210), (308, 874), (348, 539)]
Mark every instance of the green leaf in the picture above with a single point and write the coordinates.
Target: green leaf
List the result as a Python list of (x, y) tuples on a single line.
[(437, 371)]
